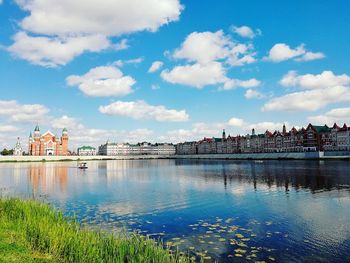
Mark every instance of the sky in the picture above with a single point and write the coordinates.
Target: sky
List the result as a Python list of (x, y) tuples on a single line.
[(170, 70)]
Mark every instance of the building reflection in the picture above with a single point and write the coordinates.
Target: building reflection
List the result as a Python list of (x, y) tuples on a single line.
[(287, 175), (46, 177)]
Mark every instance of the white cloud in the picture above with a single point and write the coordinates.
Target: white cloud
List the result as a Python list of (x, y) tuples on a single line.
[(111, 18), (253, 94), (321, 89), (280, 52), (207, 53), (196, 75), (233, 83), (340, 115), (5, 128), (261, 127), (156, 65), (66, 122), (24, 113), (155, 87), (103, 81), (55, 51), (135, 61), (244, 31), (206, 47), (200, 75), (308, 56), (123, 44), (142, 110), (236, 122), (66, 29), (318, 81), (309, 100), (200, 130)]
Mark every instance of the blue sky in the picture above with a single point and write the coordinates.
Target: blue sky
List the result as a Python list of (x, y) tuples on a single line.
[(228, 64)]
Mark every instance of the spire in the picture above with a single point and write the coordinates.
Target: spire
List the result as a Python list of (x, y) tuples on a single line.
[(284, 129), (223, 134), (30, 135), (37, 128)]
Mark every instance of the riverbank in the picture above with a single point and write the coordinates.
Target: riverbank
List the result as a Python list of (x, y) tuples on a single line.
[(241, 156), (35, 232)]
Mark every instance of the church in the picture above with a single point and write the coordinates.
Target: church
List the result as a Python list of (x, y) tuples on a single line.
[(48, 143)]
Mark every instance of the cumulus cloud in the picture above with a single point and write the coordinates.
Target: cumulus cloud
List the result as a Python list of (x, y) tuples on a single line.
[(317, 81), (142, 110), (253, 94), (310, 100), (24, 113), (156, 65), (340, 115), (55, 51), (106, 17), (103, 81), (321, 89), (245, 31), (207, 55), (236, 122), (206, 47), (200, 75), (196, 75), (233, 83), (65, 29), (281, 52)]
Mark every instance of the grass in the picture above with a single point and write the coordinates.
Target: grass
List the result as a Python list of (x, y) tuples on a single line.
[(35, 232)]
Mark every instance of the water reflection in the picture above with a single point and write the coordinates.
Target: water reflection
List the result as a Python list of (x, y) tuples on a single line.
[(219, 210)]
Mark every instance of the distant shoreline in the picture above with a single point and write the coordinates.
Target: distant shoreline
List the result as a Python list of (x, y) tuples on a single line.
[(247, 156)]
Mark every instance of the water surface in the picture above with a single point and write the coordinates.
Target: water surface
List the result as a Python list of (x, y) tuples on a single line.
[(230, 211)]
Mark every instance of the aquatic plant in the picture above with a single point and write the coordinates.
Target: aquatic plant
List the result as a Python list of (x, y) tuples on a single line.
[(49, 231)]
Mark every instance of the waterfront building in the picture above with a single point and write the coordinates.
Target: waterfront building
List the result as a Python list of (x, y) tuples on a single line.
[(309, 139), (48, 143), (144, 148), (18, 151), (86, 151)]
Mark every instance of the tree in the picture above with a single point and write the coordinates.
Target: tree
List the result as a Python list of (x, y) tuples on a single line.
[(6, 152)]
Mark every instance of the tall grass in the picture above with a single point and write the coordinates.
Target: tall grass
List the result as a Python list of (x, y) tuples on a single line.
[(48, 231)]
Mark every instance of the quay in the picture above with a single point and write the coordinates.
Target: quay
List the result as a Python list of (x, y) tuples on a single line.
[(238, 156)]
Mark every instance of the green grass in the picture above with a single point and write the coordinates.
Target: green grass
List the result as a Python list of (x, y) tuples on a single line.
[(35, 232)]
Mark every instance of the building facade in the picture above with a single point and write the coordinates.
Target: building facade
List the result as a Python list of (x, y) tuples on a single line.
[(48, 143), (87, 151), (145, 148), (18, 151), (309, 139)]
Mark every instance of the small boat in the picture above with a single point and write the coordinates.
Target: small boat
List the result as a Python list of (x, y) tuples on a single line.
[(82, 166)]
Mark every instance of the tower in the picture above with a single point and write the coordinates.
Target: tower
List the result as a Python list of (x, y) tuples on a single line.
[(223, 134), (30, 141), (253, 132), (36, 143), (64, 141), (284, 129)]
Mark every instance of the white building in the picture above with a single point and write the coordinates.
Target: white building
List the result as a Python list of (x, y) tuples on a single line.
[(18, 151), (86, 151), (145, 148)]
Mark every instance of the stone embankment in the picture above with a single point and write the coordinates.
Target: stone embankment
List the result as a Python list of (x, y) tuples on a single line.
[(246, 156)]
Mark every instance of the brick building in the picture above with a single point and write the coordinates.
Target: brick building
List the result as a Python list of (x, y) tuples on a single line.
[(48, 143)]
